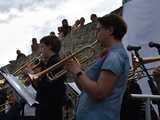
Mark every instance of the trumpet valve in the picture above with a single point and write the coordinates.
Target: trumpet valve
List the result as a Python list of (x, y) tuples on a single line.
[(2, 82)]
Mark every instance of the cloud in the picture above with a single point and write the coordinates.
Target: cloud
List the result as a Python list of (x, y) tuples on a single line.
[(7, 18), (7, 5), (7, 8)]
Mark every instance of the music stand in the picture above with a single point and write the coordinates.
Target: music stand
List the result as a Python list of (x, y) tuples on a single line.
[(74, 87), (20, 88)]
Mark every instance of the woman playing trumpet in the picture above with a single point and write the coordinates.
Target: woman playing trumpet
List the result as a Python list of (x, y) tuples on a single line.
[(104, 83)]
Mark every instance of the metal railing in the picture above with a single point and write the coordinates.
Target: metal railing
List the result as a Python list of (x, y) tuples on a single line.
[(147, 99)]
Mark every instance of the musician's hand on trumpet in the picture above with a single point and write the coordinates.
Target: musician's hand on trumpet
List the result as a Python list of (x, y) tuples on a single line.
[(12, 99), (73, 66), (29, 70)]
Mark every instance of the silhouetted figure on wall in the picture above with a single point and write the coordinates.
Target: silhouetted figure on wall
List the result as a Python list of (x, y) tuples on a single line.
[(65, 27), (52, 33), (20, 56), (81, 24), (35, 47), (93, 17), (75, 26), (60, 33)]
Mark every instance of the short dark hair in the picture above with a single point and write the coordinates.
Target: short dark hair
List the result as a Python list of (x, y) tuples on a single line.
[(115, 21), (93, 15), (52, 41), (64, 20), (34, 40), (52, 33)]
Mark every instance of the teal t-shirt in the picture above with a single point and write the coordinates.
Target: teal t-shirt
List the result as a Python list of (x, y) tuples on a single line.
[(117, 61)]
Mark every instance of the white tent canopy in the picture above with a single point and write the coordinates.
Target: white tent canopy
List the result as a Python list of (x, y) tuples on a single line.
[(142, 18)]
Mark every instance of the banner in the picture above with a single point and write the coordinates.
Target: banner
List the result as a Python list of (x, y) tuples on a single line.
[(142, 18)]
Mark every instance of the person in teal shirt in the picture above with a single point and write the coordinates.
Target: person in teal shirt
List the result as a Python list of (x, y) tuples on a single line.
[(104, 83)]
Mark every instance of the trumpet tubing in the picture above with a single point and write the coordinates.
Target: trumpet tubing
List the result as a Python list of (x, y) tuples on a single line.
[(31, 61), (3, 107), (139, 74), (135, 75), (2, 82), (63, 71), (61, 63)]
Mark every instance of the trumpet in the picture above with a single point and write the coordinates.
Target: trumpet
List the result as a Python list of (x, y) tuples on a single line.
[(3, 106), (139, 74), (34, 61), (75, 55)]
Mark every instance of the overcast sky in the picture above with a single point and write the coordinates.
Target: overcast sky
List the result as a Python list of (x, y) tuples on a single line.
[(21, 20)]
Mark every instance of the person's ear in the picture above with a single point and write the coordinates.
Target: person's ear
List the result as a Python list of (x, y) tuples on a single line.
[(111, 30), (50, 47)]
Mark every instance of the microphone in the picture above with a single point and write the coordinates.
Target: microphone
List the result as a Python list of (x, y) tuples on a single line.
[(135, 48), (153, 44)]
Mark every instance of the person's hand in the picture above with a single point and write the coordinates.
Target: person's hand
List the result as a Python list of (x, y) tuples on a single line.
[(28, 69), (72, 66), (26, 81), (12, 99)]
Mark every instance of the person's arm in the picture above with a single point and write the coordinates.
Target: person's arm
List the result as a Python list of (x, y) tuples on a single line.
[(100, 89), (103, 86)]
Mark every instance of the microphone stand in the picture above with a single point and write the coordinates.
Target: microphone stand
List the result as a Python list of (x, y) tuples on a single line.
[(154, 89), (150, 82), (142, 65), (158, 50)]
